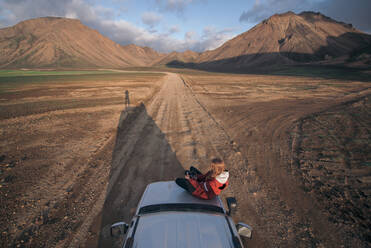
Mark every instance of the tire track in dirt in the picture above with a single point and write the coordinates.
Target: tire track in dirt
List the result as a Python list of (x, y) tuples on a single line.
[(156, 142), (273, 201), (247, 187), (208, 139)]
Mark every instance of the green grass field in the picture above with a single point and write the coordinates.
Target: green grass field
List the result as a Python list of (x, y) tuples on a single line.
[(10, 79), (17, 73)]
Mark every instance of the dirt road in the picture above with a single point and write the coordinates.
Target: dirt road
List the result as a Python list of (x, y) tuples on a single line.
[(156, 142), (176, 130), (109, 155)]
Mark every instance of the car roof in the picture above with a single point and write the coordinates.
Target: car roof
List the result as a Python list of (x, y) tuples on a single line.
[(169, 193), (183, 229)]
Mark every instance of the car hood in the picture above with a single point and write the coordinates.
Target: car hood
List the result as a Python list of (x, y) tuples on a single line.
[(183, 230)]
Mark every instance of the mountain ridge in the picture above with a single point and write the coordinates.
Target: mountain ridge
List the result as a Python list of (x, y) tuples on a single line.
[(63, 42), (286, 38)]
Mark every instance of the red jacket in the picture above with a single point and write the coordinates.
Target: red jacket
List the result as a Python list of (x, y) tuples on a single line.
[(209, 188)]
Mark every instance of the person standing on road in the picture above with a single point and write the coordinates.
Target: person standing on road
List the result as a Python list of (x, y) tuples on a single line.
[(127, 100), (205, 186)]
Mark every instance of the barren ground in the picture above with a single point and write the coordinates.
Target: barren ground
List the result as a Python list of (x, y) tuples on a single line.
[(307, 146), (56, 137), (74, 159)]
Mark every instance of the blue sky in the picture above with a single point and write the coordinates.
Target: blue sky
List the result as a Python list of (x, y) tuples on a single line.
[(193, 17), (178, 25)]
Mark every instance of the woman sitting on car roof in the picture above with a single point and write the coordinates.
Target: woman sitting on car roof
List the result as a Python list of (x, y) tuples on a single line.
[(205, 186)]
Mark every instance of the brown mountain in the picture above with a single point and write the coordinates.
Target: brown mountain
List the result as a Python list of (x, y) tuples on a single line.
[(286, 39), (184, 57), (282, 39), (146, 55), (62, 42)]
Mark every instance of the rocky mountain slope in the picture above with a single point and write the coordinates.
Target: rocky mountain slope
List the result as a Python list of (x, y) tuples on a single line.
[(146, 55), (186, 57), (286, 39), (61, 42)]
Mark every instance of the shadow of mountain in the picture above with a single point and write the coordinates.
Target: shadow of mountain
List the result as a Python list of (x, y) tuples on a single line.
[(141, 155), (292, 63)]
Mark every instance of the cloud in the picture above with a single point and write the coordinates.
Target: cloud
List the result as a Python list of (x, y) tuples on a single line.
[(151, 19), (174, 29), (173, 5), (26, 9), (213, 38), (106, 22), (355, 12), (190, 35), (263, 9), (210, 38), (177, 6)]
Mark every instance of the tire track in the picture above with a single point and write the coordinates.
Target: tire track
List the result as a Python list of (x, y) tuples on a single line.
[(155, 142)]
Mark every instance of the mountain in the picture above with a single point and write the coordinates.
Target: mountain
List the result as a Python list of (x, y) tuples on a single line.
[(62, 42), (287, 39), (184, 57), (145, 54)]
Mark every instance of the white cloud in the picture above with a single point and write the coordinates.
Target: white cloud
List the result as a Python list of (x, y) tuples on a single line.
[(177, 6), (151, 18), (210, 38), (105, 21), (173, 5), (190, 36), (213, 38)]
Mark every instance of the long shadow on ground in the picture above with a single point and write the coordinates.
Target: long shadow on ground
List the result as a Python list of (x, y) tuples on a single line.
[(141, 155)]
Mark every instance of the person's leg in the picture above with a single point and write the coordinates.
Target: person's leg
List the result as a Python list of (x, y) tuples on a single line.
[(195, 170), (185, 184)]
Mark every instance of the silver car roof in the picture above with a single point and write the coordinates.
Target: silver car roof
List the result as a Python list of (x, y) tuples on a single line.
[(183, 230), (170, 193)]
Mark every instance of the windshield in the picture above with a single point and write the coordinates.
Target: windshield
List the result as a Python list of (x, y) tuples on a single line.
[(183, 229), (193, 207)]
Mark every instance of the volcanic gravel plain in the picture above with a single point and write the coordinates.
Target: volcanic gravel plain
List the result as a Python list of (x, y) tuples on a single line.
[(74, 159)]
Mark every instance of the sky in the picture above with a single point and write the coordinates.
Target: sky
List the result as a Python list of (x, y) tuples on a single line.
[(179, 25)]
